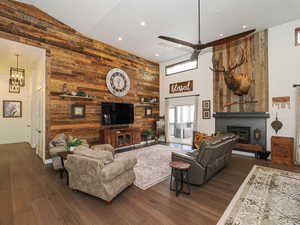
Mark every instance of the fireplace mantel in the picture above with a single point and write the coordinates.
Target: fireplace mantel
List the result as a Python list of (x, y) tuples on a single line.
[(241, 115)]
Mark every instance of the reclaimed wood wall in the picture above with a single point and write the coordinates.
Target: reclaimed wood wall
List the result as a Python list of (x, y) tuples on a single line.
[(82, 63), (255, 49)]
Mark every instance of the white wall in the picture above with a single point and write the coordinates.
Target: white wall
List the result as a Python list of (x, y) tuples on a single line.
[(14, 130), (203, 85), (284, 71)]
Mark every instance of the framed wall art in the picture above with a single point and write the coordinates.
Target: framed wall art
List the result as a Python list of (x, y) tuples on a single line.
[(206, 104), (206, 114), (77, 111), (12, 109), (148, 111)]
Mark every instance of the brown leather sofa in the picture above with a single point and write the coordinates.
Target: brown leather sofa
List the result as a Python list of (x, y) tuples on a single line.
[(214, 155)]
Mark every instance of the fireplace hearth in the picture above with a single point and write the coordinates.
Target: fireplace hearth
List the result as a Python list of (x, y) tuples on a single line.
[(244, 125)]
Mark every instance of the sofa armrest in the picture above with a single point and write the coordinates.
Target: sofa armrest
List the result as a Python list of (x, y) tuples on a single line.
[(118, 167), (183, 156), (81, 165)]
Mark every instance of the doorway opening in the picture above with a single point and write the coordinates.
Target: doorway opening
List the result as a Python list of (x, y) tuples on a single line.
[(28, 99), (181, 124)]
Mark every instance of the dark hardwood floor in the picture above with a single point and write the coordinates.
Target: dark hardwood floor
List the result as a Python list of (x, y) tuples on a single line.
[(31, 194)]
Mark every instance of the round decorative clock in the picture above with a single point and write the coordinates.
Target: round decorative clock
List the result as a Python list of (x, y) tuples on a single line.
[(118, 82)]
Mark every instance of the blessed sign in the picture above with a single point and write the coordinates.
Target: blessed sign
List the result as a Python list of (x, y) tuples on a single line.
[(181, 87)]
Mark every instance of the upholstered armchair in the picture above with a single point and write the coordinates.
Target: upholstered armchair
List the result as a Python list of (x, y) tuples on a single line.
[(98, 174), (58, 144), (104, 147)]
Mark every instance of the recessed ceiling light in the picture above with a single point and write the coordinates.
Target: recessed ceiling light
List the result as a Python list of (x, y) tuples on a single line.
[(120, 39), (221, 35), (244, 26), (179, 45), (143, 23), (156, 54)]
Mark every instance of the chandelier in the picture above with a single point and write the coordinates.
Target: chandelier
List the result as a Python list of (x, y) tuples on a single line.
[(17, 75)]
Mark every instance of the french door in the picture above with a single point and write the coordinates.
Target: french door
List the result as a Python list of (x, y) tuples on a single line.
[(181, 124)]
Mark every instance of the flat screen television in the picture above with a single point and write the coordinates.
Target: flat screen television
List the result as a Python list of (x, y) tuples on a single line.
[(117, 113)]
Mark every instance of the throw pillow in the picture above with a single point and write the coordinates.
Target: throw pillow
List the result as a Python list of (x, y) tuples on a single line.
[(198, 138)]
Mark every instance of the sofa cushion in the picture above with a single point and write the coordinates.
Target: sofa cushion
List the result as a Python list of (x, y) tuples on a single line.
[(104, 156)]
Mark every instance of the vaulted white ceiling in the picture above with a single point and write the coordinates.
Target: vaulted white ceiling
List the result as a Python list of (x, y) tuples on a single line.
[(107, 20)]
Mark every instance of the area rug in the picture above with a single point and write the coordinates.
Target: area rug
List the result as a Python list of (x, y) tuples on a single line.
[(267, 197), (153, 164)]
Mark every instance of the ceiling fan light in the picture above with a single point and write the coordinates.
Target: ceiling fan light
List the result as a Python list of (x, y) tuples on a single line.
[(195, 55)]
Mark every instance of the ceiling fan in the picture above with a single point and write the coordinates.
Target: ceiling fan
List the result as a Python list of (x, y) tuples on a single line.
[(198, 47)]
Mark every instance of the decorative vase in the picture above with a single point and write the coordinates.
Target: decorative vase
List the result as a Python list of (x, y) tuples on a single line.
[(276, 124)]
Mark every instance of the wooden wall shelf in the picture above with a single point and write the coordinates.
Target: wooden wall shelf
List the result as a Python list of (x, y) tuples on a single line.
[(78, 97)]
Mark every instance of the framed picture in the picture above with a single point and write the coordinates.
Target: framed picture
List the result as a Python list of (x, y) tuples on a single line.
[(206, 105), (148, 111), (78, 111), (297, 36), (206, 114), (12, 109)]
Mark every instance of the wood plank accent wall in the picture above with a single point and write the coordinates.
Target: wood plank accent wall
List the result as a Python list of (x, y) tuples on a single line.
[(256, 66), (82, 63)]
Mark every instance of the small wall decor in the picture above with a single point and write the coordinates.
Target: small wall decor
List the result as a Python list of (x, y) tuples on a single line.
[(118, 82), (257, 134), (297, 36), (281, 102), (206, 114), (181, 87), (206, 105), (78, 111), (148, 111), (276, 124), (12, 109), (206, 109)]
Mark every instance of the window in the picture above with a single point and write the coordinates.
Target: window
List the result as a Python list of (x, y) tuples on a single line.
[(181, 67), (297, 36)]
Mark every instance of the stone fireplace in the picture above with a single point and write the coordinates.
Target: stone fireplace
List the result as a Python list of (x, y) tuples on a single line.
[(243, 124)]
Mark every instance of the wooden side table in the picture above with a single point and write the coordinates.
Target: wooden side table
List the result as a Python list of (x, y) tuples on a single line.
[(180, 171), (63, 156)]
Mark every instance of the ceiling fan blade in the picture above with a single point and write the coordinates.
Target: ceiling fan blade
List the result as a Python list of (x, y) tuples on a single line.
[(225, 40), (185, 43)]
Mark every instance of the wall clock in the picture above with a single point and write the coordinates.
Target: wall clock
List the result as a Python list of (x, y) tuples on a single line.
[(118, 82)]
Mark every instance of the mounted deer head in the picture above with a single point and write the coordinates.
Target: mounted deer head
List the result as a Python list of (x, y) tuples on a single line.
[(238, 83)]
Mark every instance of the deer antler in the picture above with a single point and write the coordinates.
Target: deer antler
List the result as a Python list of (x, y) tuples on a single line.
[(239, 62), (215, 66)]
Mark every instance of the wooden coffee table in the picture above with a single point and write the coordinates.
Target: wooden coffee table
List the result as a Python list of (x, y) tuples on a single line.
[(63, 156), (180, 171)]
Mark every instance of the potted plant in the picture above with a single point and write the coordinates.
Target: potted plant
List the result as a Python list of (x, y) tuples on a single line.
[(81, 93), (148, 135), (72, 142)]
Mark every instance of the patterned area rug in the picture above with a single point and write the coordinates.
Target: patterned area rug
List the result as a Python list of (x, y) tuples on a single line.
[(267, 197), (153, 164)]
